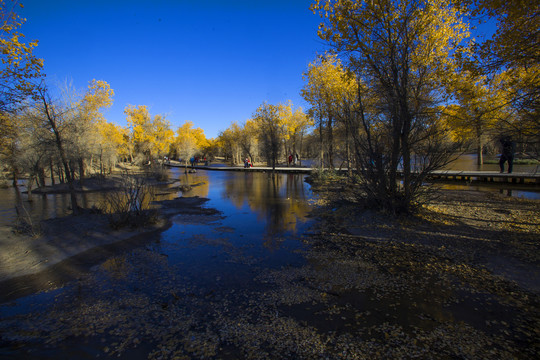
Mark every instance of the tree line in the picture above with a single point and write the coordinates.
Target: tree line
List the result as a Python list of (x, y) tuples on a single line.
[(403, 87)]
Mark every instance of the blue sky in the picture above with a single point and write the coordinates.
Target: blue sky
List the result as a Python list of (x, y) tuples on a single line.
[(209, 62)]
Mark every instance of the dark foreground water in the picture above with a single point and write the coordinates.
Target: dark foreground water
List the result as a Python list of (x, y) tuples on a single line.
[(167, 291)]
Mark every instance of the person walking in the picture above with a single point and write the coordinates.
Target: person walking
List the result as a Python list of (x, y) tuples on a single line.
[(507, 155)]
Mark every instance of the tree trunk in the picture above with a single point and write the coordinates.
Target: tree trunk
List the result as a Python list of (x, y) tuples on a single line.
[(349, 167), (479, 145), (15, 177), (29, 183), (51, 166), (81, 170), (330, 142), (321, 142), (101, 161), (72, 170), (63, 157), (41, 176), (479, 152), (61, 176)]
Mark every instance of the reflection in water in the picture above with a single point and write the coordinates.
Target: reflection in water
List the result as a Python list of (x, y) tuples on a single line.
[(48, 206), (280, 199), (533, 194), (255, 205), (199, 181)]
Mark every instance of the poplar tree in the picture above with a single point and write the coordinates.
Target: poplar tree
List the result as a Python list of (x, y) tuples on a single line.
[(404, 51), (21, 69)]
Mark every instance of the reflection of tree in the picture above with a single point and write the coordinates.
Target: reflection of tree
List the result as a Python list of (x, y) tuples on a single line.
[(280, 199), (200, 180)]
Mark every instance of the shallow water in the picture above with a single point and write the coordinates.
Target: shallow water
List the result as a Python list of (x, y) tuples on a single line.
[(258, 227)]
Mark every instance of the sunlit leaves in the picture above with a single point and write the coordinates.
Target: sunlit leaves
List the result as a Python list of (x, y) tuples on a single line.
[(19, 67), (189, 140), (151, 136)]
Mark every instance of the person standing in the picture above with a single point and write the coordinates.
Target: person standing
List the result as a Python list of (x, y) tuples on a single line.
[(507, 154)]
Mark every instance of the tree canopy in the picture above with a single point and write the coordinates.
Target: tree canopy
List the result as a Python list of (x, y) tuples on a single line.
[(20, 69)]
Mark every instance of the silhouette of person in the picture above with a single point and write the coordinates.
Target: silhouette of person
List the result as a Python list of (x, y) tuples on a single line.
[(507, 154)]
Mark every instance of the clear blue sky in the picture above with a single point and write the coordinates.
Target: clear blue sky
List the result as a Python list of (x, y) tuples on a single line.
[(210, 62)]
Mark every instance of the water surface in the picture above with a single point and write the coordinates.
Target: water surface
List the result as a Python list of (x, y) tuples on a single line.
[(199, 259)]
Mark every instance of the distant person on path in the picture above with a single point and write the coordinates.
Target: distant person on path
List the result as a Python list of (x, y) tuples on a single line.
[(507, 154), (290, 159), (246, 163)]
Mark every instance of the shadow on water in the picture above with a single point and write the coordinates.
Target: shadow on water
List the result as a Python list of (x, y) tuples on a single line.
[(200, 261), (242, 282)]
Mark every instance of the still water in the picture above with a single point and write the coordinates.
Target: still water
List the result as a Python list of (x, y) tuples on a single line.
[(258, 227)]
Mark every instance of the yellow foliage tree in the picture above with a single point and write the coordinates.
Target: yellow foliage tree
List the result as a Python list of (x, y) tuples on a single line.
[(86, 140), (405, 52), (229, 142), (481, 107), (189, 141), (328, 84), (151, 137), (248, 139), (513, 53), (270, 121), (20, 68), (295, 123), (113, 143)]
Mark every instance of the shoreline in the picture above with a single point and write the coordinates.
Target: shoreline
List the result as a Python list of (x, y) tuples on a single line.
[(73, 244)]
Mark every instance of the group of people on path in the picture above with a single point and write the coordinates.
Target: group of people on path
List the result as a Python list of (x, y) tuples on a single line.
[(293, 159), (507, 156)]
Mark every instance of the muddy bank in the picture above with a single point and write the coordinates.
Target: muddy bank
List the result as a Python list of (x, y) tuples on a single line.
[(72, 244)]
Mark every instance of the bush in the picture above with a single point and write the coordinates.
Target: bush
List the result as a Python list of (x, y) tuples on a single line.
[(129, 205), (24, 224), (158, 172)]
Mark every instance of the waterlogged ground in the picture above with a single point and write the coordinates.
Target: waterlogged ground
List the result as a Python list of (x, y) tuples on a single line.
[(257, 282)]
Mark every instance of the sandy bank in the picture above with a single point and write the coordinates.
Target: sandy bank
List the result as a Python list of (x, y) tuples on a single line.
[(65, 237)]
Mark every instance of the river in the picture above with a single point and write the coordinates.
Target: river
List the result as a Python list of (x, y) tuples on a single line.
[(260, 223), (196, 288)]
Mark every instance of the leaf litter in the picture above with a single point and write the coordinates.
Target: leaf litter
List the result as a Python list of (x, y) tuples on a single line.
[(368, 287)]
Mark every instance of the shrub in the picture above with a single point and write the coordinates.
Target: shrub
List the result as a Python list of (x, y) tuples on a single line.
[(129, 204), (158, 172), (24, 224)]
